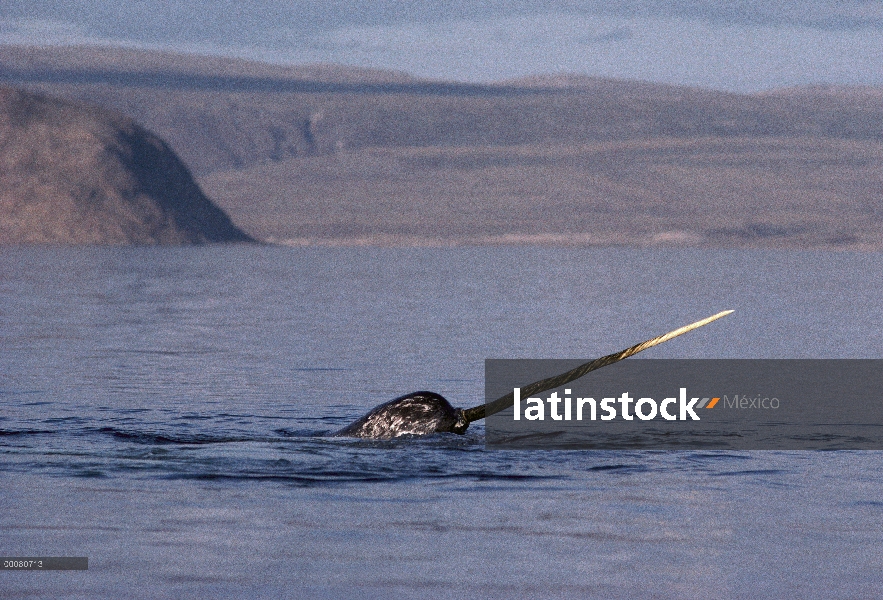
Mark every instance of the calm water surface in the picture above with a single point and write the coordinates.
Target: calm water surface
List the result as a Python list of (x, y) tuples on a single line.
[(165, 412)]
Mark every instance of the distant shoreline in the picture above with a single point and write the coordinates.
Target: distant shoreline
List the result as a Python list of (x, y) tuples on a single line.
[(668, 240), (330, 155)]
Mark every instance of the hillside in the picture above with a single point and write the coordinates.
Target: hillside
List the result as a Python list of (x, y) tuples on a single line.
[(327, 154), (77, 174), (223, 114), (759, 192)]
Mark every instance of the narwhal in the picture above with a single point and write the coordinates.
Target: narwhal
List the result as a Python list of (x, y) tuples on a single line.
[(421, 413)]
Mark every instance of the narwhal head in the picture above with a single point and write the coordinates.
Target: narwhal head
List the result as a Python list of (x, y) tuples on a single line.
[(419, 413)]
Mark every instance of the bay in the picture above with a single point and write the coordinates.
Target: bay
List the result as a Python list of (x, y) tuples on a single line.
[(166, 411)]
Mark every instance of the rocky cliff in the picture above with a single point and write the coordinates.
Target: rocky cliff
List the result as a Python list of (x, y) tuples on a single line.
[(77, 174)]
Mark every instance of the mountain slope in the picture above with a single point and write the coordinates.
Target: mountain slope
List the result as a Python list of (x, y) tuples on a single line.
[(78, 174)]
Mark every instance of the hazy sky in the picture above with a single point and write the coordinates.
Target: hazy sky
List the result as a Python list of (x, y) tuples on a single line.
[(742, 45)]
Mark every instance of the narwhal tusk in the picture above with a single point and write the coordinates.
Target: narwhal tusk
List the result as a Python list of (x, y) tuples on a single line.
[(421, 413), (483, 410)]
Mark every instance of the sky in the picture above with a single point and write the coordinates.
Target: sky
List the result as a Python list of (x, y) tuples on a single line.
[(736, 45)]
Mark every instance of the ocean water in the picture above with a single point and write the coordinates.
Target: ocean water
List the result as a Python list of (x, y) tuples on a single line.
[(166, 413)]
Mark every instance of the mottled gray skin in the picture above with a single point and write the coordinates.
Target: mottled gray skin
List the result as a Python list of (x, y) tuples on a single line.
[(419, 413)]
